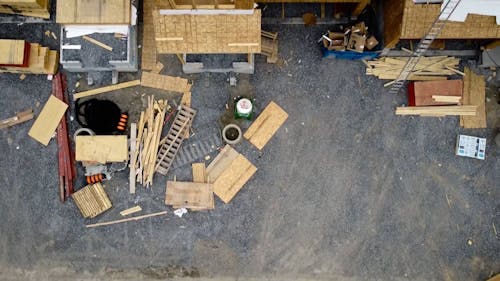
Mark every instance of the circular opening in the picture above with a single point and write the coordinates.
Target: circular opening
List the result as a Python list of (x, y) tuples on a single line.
[(232, 134)]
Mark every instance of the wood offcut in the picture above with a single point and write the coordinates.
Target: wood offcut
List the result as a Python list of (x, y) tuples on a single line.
[(46, 123), (107, 89)]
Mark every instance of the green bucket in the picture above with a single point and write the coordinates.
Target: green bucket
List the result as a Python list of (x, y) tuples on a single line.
[(243, 109)]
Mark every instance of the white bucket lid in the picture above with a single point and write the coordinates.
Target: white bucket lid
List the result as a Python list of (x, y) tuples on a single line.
[(244, 106)]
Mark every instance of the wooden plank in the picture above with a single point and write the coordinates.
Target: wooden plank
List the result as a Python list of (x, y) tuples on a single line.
[(189, 194), (199, 172), (97, 43), (360, 7), (232, 179), (165, 82), (127, 219), (266, 125), (474, 94), (20, 117), (221, 162), (447, 99), (133, 159), (186, 99), (494, 278), (130, 211), (107, 89), (148, 61), (101, 149), (93, 12), (46, 123), (469, 110), (12, 52)]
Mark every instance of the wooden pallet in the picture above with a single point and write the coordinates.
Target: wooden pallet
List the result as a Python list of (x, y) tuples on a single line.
[(172, 142)]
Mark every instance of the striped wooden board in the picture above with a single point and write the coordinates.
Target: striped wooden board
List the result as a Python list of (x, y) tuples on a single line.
[(92, 200), (474, 94), (266, 125)]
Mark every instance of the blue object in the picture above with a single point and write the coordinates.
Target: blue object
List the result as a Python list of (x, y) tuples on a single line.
[(348, 55)]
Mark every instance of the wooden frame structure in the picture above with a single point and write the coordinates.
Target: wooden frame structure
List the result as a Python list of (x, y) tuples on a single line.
[(405, 20)]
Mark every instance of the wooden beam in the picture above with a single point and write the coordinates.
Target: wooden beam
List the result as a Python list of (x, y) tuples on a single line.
[(465, 110), (133, 149), (359, 8), (451, 99), (20, 117), (107, 89), (126, 220), (95, 42), (130, 211)]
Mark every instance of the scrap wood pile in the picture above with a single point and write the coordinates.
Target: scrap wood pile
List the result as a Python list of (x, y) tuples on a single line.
[(356, 38), (464, 98), (428, 68), (19, 56)]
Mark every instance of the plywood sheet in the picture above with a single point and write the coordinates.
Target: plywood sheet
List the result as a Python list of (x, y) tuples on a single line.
[(423, 91), (221, 162), (101, 149), (474, 94), (207, 34), (47, 121), (165, 82), (11, 51), (189, 195), (266, 125), (93, 12), (232, 179)]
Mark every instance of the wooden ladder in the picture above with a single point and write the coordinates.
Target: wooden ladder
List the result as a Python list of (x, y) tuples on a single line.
[(171, 144), (424, 45)]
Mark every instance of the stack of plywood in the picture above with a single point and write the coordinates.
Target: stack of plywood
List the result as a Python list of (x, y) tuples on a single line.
[(428, 68), (31, 8), (36, 59)]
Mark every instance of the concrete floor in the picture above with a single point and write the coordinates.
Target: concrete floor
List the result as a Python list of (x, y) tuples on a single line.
[(345, 190)]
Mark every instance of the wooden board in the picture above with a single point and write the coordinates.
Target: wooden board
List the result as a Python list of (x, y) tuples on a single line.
[(441, 110), (107, 89), (12, 52), (92, 200), (20, 117), (232, 179), (165, 82), (199, 172), (148, 61), (38, 8), (93, 12), (207, 34), (101, 149), (130, 211), (189, 195), (46, 123), (266, 125), (474, 94), (420, 93), (221, 162)]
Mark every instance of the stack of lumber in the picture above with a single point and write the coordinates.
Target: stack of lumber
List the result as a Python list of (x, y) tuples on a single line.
[(17, 56), (428, 68), (92, 200), (30, 8), (147, 142)]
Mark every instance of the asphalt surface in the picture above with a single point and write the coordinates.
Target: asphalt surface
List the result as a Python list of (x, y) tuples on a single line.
[(345, 190)]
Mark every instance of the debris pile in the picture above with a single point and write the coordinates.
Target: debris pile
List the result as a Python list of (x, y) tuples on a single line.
[(356, 38)]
